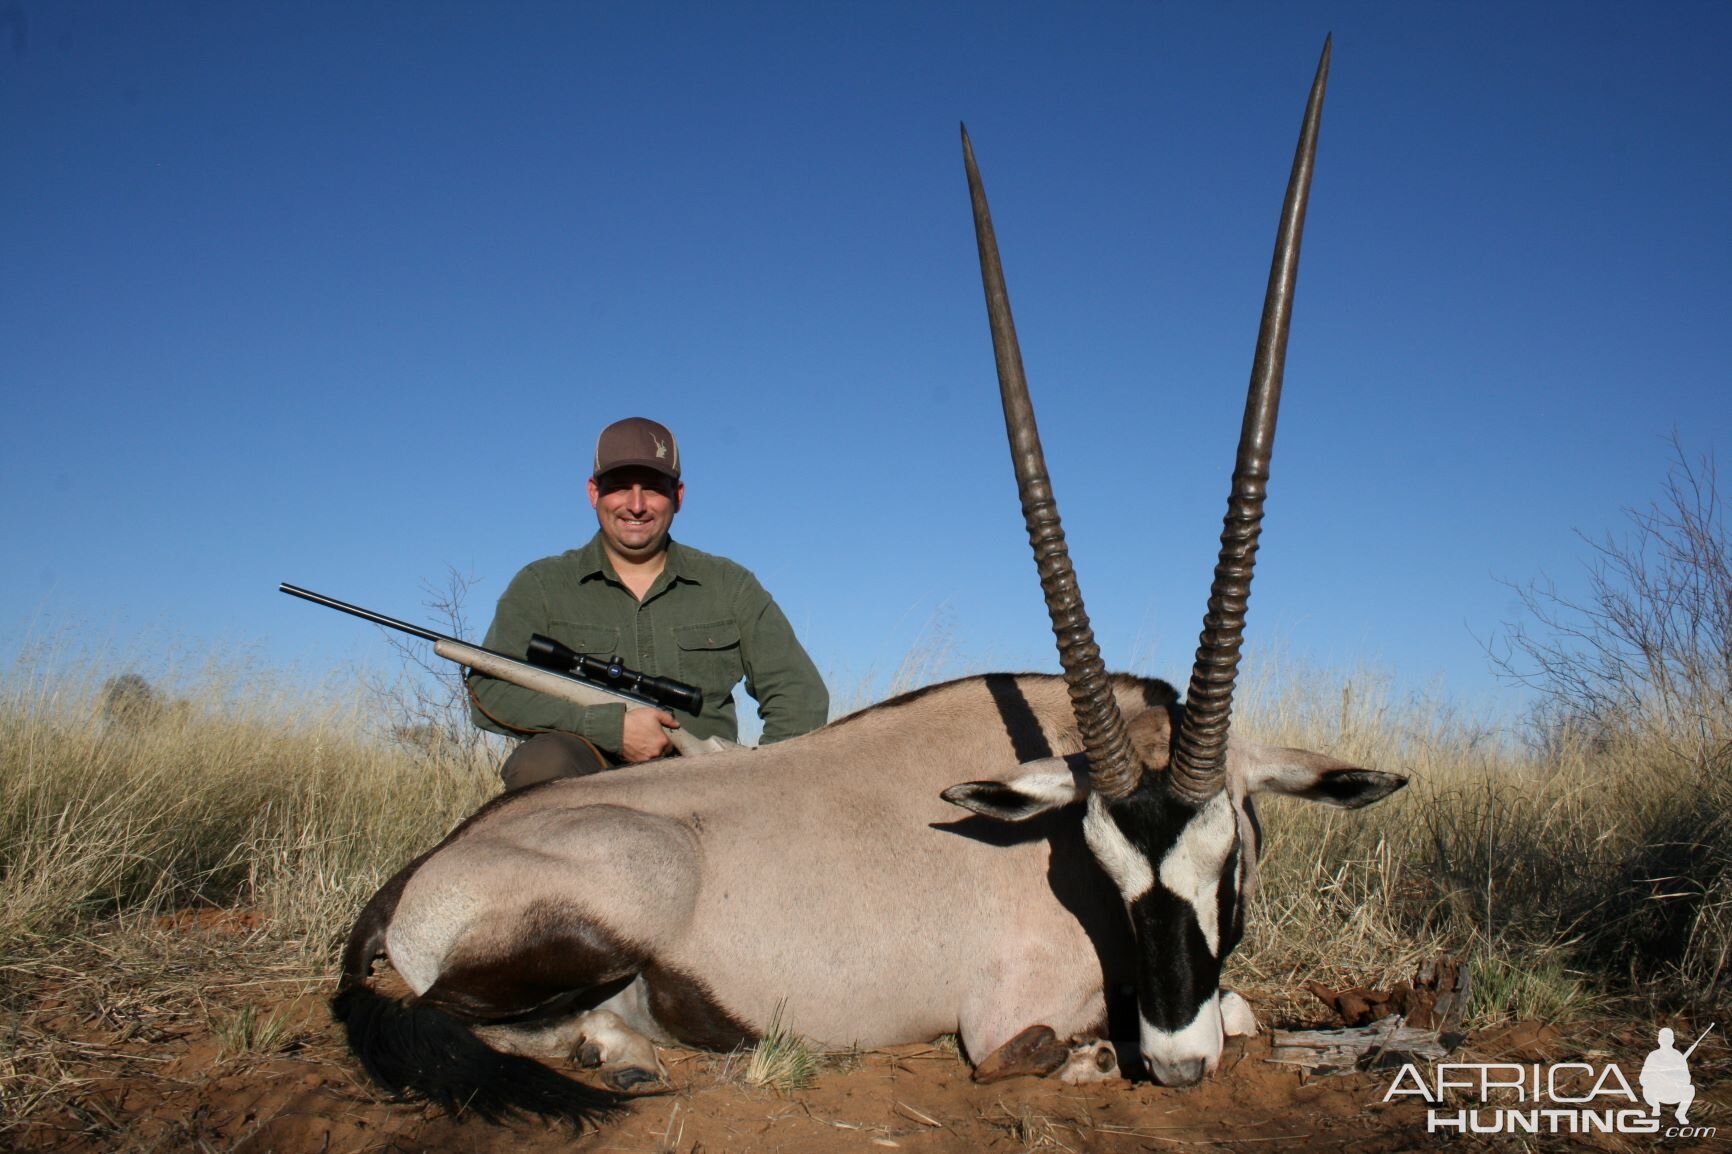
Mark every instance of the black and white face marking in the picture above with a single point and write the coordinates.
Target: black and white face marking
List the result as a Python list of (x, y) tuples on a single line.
[(1184, 875), (1178, 871)]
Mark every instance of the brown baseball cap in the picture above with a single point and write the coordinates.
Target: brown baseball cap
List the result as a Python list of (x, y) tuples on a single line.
[(637, 441)]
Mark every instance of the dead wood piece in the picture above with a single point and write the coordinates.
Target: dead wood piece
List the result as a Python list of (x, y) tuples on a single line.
[(1384, 1044)]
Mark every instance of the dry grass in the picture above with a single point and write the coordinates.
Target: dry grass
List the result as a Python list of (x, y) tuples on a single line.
[(781, 1060), (251, 1031), (108, 1003), (1569, 872), (237, 793), (244, 794)]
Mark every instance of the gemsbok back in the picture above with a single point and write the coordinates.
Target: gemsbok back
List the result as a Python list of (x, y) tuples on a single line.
[(1110, 844)]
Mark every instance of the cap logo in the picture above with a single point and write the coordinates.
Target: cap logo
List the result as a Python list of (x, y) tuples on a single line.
[(637, 441)]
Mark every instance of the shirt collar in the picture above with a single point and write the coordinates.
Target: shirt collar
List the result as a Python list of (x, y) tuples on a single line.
[(679, 564), (593, 561)]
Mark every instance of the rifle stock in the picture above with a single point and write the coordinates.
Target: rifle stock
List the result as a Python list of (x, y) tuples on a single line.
[(563, 687)]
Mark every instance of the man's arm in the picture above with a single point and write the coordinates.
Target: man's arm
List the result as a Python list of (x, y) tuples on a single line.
[(501, 707), (779, 675)]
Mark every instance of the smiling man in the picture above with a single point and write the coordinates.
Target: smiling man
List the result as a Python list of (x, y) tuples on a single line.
[(660, 607)]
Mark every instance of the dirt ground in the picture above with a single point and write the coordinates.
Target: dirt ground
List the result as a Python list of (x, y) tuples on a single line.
[(190, 1037)]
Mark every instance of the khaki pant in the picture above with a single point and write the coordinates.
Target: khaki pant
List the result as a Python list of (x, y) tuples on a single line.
[(549, 755)]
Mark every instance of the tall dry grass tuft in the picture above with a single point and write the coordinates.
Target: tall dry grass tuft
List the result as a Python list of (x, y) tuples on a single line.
[(242, 791), (780, 1060)]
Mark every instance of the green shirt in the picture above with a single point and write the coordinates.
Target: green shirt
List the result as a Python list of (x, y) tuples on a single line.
[(705, 621)]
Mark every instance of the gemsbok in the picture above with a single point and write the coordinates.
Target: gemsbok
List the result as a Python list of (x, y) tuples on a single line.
[(1110, 845)]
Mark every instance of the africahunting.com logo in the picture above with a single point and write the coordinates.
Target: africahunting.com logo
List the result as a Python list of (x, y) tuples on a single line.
[(1562, 1098)]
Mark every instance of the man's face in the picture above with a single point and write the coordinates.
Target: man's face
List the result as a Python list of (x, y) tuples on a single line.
[(635, 508)]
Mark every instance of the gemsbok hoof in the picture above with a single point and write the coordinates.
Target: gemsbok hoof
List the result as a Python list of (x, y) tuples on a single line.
[(627, 1060), (1238, 1020), (633, 1080), (1091, 1061), (1036, 1051)]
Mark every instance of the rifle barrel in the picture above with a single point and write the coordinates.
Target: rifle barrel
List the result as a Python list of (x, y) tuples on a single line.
[(364, 614), (553, 682)]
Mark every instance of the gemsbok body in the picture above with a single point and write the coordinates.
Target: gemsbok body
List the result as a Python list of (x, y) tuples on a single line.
[(996, 857)]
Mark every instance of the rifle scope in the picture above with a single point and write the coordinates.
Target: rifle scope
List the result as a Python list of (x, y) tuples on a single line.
[(550, 654)]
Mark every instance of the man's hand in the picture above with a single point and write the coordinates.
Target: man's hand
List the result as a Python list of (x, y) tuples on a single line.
[(642, 737)]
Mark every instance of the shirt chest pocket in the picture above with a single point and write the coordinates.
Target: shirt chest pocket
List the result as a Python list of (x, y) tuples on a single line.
[(710, 656), (593, 640)]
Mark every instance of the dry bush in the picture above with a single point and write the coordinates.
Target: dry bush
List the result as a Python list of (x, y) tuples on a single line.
[(427, 700), (130, 700), (1645, 655), (1635, 683), (1582, 854)]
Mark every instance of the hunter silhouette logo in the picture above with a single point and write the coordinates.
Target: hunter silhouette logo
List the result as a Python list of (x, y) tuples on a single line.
[(661, 448), (1666, 1076), (1560, 1098)]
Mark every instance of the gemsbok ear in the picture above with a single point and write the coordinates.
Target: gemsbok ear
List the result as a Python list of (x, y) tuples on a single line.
[(1313, 776), (1036, 787)]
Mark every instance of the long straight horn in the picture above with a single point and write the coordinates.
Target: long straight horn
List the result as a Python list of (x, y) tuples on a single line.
[(1199, 751), (1113, 767)]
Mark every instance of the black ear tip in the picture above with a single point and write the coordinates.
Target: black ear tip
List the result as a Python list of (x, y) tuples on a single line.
[(1376, 785), (1357, 788), (975, 794)]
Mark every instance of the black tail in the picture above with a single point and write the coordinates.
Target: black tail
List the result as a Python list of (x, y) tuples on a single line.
[(415, 1050)]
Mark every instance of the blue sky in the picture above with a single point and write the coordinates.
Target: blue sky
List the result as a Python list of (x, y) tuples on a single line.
[(339, 294)]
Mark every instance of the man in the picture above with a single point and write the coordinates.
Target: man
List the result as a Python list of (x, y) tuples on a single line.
[(660, 607)]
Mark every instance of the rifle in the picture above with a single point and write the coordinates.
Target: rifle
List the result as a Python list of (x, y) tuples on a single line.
[(552, 669)]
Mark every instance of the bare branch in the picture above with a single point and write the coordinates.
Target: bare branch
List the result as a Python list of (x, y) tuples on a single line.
[(428, 703), (1649, 646)]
